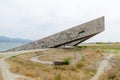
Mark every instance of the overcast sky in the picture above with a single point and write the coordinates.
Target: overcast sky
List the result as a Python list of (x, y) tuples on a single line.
[(35, 19)]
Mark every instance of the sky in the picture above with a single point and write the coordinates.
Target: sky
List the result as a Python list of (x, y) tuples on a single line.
[(36, 19)]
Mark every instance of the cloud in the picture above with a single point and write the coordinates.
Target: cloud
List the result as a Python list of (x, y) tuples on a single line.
[(35, 19)]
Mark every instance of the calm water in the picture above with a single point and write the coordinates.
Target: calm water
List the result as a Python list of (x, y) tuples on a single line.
[(6, 46)]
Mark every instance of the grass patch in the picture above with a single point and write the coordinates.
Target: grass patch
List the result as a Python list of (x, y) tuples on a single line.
[(80, 64), (1, 56), (39, 71), (58, 77), (58, 54), (114, 73), (83, 70), (67, 61), (1, 76)]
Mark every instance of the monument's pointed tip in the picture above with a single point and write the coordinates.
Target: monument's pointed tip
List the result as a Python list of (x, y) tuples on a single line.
[(102, 17)]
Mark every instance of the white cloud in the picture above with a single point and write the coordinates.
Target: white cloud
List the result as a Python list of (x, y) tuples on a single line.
[(34, 19)]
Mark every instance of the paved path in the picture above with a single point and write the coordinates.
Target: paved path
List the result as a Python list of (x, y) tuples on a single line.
[(104, 65), (36, 59), (78, 57), (7, 75)]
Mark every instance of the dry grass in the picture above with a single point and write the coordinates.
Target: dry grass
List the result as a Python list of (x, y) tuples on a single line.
[(39, 71), (58, 54), (114, 73), (52, 54), (1, 76), (1, 56), (30, 55), (83, 70), (20, 78), (93, 58), (90, 61)]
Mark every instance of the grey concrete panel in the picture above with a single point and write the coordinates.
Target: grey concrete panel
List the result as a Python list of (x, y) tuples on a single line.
[(70, 37)]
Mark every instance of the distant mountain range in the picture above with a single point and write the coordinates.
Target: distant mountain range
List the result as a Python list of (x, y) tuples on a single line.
[(7, 39)]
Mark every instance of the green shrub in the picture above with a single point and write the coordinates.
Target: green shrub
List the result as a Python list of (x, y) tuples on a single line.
[(67, 61)]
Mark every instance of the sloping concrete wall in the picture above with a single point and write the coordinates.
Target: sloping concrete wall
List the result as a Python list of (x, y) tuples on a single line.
[(70, 37)]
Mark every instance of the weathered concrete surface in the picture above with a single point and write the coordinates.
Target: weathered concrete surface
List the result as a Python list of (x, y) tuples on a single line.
[(69, 37)]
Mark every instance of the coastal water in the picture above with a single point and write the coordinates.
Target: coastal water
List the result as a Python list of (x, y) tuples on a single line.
[(6, 46)]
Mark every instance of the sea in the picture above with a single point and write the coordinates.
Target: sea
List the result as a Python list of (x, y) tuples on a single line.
[(6, 46)]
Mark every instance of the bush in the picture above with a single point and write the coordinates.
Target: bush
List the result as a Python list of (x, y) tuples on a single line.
[(66, 61)]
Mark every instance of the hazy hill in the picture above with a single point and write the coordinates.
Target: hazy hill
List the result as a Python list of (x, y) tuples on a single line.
[(7, 39)]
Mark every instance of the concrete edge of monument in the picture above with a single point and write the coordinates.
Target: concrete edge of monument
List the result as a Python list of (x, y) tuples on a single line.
[(69, 37)]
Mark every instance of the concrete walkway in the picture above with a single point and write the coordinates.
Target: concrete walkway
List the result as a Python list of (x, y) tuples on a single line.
[(103, 66), (36, 59), (78, 57)]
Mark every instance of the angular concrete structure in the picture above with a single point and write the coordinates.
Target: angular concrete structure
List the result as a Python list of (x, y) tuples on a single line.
[(69, 37)]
